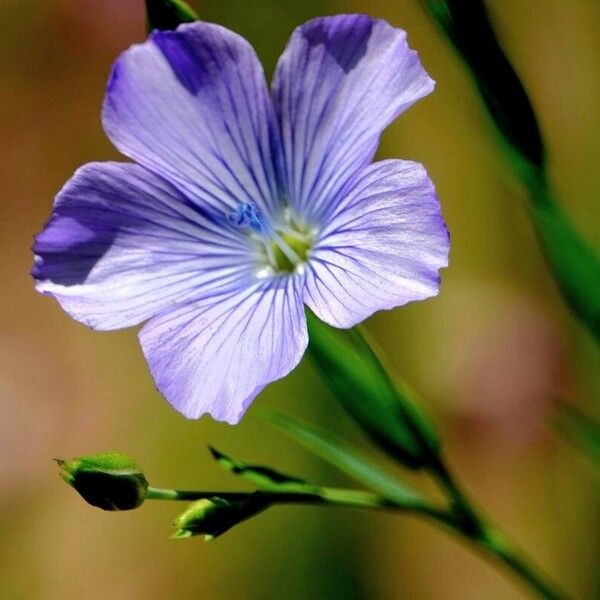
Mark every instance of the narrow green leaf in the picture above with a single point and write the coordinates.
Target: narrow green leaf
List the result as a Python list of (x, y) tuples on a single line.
[(469, 28), (168, 14), (342, 456), (265, 478), (384, 410), (575, 266), (580, 430), (278, 488)]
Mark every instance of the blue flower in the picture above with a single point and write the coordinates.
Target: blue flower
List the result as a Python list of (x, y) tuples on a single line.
[(244, 205)]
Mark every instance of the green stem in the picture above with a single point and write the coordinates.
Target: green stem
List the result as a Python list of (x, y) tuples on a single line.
[(360, 499), (155, 493), (497, 546), (325, 496), (462, 520), (472, 526)]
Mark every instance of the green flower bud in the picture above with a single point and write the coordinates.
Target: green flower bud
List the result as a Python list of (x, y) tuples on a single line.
[(110, 480), (214, 516), (168, 14)]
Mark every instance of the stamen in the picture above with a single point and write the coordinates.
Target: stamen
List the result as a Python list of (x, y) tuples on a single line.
[(247, 214), (270, 252), (291, 233), (282, 246)]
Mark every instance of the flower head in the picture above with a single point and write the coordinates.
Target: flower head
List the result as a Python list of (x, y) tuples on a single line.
[(244, 204)]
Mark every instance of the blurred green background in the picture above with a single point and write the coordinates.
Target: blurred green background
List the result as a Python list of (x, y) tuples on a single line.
[(490, 354)]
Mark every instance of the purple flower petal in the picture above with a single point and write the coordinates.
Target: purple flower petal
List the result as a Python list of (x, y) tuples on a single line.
[(192, 105), (382, 246), (215, 357), (339, 83), (122, 244)]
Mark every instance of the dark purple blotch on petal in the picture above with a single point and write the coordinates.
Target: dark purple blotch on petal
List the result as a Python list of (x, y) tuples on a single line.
[(189, 64), (347, 43), (195, 60), (68, 249)]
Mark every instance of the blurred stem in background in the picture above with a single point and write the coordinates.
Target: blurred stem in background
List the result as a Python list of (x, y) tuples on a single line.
[(580, 430), (574, 265)]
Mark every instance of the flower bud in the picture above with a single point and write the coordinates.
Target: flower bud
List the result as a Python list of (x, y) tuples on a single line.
[(110, 480), (214, 516), (168, 14)]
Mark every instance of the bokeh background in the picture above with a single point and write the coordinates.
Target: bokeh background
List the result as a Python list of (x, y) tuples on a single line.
[(490, 354)]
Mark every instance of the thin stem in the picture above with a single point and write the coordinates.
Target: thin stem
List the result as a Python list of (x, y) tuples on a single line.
[(472, 526), (461, 520), (487, 539), (491, 541), (495, 543), (155, 493), (461, 507), (323, 496), (359, 499), (310, 495)]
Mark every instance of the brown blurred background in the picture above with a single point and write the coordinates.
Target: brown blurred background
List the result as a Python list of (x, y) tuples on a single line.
[(490, 354)]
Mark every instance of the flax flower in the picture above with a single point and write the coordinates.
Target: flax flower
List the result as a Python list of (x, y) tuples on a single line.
[(244, 205)]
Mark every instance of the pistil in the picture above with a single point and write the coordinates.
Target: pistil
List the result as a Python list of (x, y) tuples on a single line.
[(283, 245)]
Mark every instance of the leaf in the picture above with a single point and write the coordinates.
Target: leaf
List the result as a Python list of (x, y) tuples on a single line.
[(575, 267), (468, 27), (262, 477), (580, 430), (168, 14), (385, 411), (574, 264), (277, 488), (343, 457)]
